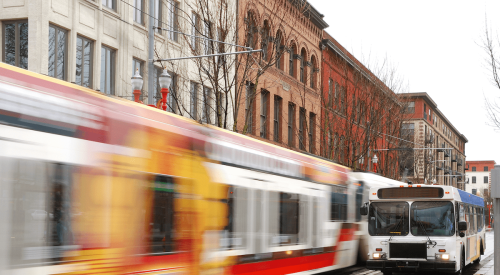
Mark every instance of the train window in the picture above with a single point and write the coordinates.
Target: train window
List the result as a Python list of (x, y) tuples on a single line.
[(289, 218), (42, 211), (359, 199), (338, 206), (161, 225), (232, 236)]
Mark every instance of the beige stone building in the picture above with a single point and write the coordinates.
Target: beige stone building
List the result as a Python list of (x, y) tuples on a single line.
[(100, 43)]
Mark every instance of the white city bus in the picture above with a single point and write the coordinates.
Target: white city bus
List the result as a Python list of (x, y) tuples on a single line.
[(423, 228)]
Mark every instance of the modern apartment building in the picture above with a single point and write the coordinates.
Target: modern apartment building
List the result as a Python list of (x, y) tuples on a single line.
[(478, 174), (439, 148), (100, 44)]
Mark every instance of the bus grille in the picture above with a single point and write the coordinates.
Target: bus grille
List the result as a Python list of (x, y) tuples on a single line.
[(408, 250)]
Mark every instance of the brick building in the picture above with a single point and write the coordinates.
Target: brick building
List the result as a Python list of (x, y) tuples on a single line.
[(283, 105), (360, 115), (440, 157)]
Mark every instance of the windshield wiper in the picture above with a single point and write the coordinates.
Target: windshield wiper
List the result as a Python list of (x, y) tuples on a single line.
[(429, 241)]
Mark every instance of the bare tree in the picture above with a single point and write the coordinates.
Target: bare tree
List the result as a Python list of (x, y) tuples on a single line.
[(490, 45)]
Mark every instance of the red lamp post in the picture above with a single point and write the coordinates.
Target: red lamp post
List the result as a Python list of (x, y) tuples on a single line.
[(137, 83), (164, 79), (375, 161)]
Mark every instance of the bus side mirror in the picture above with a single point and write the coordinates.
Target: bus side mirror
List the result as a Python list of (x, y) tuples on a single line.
[(363, 210), (462, 225)]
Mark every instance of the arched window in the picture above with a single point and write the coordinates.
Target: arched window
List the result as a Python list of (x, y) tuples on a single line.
[(290, 60), (265, 41), (279, 45), (251, 31), (313, 72), (303, 62)]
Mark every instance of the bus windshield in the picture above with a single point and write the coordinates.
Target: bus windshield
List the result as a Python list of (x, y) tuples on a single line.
[(432, 218), (388, 219)]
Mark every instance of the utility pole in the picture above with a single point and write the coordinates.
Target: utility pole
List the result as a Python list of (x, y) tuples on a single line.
[(151, 66), (495, 195)]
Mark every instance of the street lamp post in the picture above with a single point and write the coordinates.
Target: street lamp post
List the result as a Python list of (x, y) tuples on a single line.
[(375, 161), (164, 79), (137, 83)]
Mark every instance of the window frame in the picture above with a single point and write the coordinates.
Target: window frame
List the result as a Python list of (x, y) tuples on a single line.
[(485, 179), (91, 61), (278, 106), (113, 4), (58, 29), (139, 12), (302, 128), (112, 79), (158, 22), (291, 124), (193, 99), (206, 108), (312, 131), (473, 179), (17, 42), (173, 20), (264, 116)]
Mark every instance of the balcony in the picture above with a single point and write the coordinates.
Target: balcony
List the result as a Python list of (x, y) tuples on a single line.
[(441, 147), (454, 158), (459, 162), (447, 153), (429, 138), (447, 170)]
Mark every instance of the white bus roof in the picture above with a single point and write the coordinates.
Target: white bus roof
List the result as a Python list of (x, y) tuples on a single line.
[(411, 192)]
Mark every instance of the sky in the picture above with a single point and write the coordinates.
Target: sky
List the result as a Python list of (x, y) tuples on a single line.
[(435, 47)]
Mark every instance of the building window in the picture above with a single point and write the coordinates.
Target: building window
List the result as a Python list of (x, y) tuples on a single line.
[(313, 73), (107, 70), (195, 21), (84, 61), (312, 131), (138, 7), (486, 169), (158, 15), (473, 179), (58, 42), (278, 44), (485, 179), (473, 168), (411, 108), (303, 66), (474, 191), (330, 92), (291, 123), (138, 65), (249, 103), (111, 4), (336, 95), (277, 118), (336, 146), (15, 43), (173, 20), (206, 114), (207, 33), (408, 130), (425, 111), (193, 107), (264, 105), (302, 128), (290, 61)]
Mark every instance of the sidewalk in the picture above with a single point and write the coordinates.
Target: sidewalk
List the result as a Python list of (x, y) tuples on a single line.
[(487, 268)]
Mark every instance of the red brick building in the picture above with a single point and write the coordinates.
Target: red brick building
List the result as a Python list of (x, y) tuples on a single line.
[(360, 115), (440, 158)]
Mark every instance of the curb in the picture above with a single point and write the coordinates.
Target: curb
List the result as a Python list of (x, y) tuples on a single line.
[(486, 267)]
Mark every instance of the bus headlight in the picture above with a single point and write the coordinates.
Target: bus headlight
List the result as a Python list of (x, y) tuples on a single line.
[(378, 255), (443, 256)]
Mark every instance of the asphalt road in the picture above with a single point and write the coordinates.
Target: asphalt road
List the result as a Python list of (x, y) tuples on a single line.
[(469, 270)]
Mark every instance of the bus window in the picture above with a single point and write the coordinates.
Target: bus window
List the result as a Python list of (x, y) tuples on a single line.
[(338, 209), (388, 219), (289, 218), (161, 226), (432, 218)]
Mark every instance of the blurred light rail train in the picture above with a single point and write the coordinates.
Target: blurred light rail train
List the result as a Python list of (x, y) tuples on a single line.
[(95, 184)]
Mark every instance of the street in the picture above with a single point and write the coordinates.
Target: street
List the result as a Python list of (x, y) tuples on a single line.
[(469, 270)]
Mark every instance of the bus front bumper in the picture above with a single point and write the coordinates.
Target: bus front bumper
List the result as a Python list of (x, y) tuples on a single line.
[(397, 266)]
